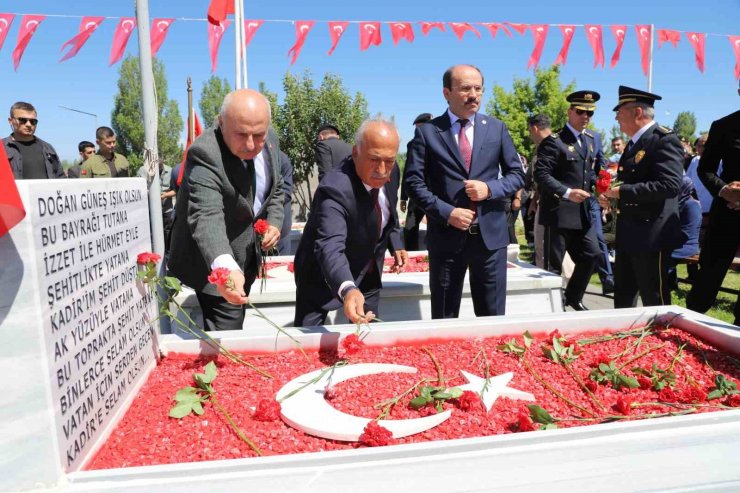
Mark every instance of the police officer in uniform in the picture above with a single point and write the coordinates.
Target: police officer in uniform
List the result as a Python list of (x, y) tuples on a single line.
[(565, 177), (648, 225)]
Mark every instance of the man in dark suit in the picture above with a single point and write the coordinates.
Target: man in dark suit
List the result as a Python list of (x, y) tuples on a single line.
[(353, 221), (232, 176), (414, 214), (286, 175), (648, 223), (330, 149), (722, 237), (565, 177), (460, 168)]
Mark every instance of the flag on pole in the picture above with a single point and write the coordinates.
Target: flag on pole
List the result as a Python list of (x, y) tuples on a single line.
[(218, 10), (11, 207), (195, 130)]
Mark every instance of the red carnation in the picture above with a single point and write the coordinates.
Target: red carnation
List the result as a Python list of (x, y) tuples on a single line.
[(733, 400), (219, 276), (693, 395), (623, 405), (469, 401), (555, 334), (352, 344), (603, 182), (375, 435), (524, 422), (260, 226), (645, 382), (667, 395), (591, 385), (146, 257), (291, 267), (267, 410)]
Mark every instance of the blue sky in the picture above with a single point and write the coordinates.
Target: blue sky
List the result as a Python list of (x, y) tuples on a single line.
[(401, 81)]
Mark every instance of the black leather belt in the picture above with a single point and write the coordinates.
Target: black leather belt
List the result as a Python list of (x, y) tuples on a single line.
[(474, 229)]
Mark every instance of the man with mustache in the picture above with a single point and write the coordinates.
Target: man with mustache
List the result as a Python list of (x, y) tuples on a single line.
[(353, 221), (460, 169)]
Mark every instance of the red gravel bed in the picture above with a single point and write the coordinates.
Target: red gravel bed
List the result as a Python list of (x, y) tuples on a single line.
[(147, 436)]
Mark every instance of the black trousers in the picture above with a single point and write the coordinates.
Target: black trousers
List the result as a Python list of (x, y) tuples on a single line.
[(309, 315), (643, 273), (583, 248), (411, 228), (219, 314), (487, 279)]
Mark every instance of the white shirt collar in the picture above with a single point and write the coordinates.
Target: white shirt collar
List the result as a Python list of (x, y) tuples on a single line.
[(454, 118), (575, 132), (639, 133)]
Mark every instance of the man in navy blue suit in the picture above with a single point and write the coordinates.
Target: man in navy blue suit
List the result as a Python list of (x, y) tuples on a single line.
[(460, 168), (353, 221)]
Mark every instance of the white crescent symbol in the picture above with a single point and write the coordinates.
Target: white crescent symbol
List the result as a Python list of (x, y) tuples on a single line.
[(643, 32), (737, 43), (539, 29), (568, 30), (5, 24), (400, 26), (31, 23), (91, 24), (250, 25), (338, 29), (620, 33), (166, 25), (127, 25), (304, 28), (370, 28), (593, 30), (693, 36)]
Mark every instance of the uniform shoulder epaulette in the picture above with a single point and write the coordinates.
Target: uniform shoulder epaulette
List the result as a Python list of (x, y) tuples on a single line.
[(664, 130), (585, 132)]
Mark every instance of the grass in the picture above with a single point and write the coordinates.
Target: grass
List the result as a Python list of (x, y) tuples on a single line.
[(722, 309)]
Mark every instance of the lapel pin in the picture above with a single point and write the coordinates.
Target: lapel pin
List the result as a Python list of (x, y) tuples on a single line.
[(639, 156), (483, 122)]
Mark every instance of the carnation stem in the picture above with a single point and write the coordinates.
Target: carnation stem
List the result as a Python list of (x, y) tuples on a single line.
[(389, 404), (440, 375), (318, 377), (551, 389), (234, 426), (644, 353), (583, 386), (281, 330)]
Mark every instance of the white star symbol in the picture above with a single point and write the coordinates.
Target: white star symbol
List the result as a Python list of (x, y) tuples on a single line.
[(494, 387)]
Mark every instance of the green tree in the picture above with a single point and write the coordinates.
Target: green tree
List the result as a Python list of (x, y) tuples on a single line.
[(127, 116), (545, 94), (685, 125), (212, 95)]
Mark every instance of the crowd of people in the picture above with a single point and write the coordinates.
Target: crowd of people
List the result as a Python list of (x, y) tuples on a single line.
[(464, 177)]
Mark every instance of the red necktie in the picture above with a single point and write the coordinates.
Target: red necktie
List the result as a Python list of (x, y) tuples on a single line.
[(466, 152)]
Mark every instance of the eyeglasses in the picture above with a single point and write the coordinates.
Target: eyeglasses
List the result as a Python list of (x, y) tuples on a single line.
[(588, 112), (23, 121), (469, 89)]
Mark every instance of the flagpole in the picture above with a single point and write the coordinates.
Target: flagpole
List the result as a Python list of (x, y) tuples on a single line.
[(650, 61), (191, 113), (237, 46), (244, 48)]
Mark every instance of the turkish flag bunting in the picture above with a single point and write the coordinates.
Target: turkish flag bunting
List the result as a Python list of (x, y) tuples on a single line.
[(520, 28), (11, 207), (5, 21), (594, 35), (672, 37), (735, 41), (88, 25), (401, 30), (493, 28), (539, 32), (336, 29), (369, 35), (697, 41), (644, 34), (301, 32), (123, 31), (250, 27), (428, 26), (159, 32), (567, 32), (461, 27), (29, 24), (215, 33), (218, 10), (197, 130), (618, 32)]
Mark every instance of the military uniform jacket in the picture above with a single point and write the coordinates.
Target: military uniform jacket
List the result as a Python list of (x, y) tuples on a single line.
[(650, 173), (97, 167), (563, 164)]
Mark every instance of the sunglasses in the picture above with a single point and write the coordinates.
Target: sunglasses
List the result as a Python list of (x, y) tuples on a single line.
[(588, 112), (23, 121)]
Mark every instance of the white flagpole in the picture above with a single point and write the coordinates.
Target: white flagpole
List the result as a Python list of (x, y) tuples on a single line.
[(650, 60), (237, 45), (244, 48)]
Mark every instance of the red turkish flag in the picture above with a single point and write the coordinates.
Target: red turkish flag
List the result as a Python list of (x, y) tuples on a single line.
[(11, 206), (461, 27), (668, 35), (567, 32), (159, 32), (428, 26), (5, 21), (493, 28), (593, 32), (250, 27), (215, 33), (29, 24), (369, 35), (197, 130), (644, 34), (301, 32), (336, 29), (123, 32), (539, 32), (520, 28), (401, 30), (697, 41), (618, 32), (735, 41), (218, 10), (88, 25)]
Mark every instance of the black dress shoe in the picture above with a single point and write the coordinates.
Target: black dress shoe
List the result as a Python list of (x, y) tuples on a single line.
[(607, 287), (577, 306)]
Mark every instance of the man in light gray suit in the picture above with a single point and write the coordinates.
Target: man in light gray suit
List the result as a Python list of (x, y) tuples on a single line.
[(232, 176)]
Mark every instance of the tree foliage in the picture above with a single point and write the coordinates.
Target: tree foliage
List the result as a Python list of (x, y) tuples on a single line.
[(304, 108), (685, 125), (127, 117), (212, 95), (545, 94)]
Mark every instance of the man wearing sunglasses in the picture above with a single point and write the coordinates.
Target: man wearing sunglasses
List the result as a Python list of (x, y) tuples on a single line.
[(29, 156), (565, 176)]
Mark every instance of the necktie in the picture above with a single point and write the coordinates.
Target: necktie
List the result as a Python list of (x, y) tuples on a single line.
[(376, 204), (466, 152), (578, 139), (629, 145), (252, 177)]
